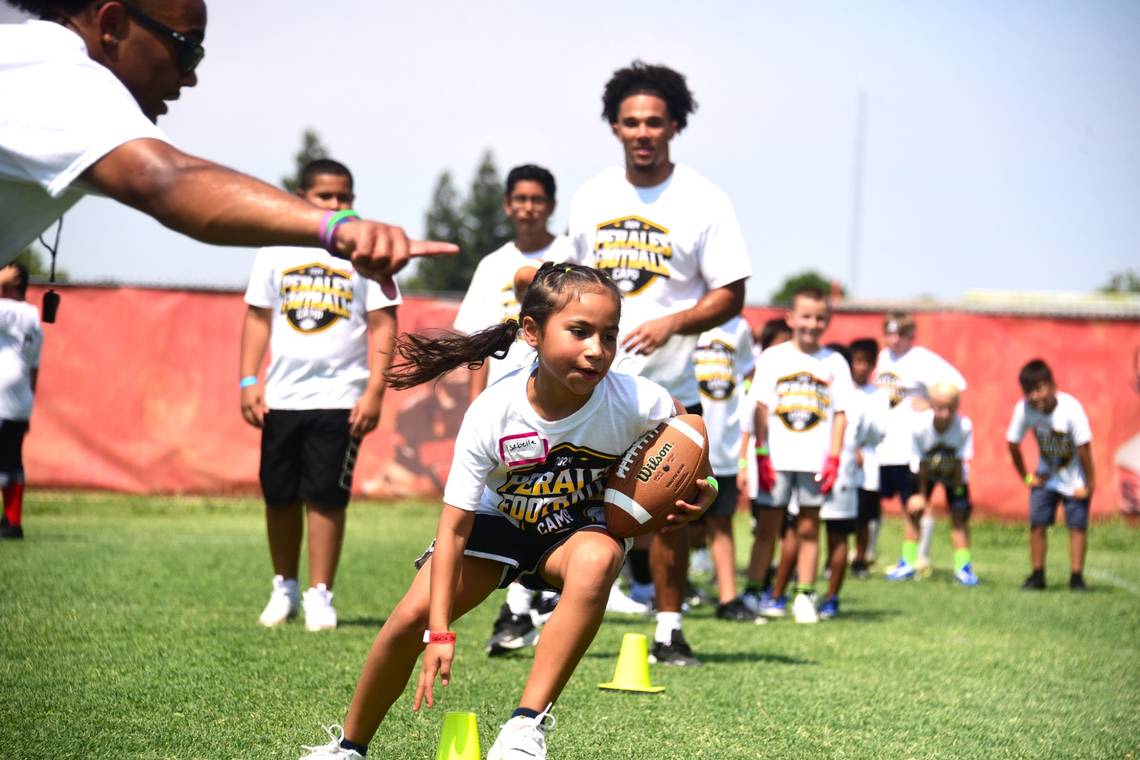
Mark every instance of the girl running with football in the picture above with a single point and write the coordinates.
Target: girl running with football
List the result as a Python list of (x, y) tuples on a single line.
[(523, 501)]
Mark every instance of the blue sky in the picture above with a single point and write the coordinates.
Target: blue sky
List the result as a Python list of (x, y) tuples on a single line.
[(1002, 151)]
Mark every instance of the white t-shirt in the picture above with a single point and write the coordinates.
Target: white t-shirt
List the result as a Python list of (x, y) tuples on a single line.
[(318, 341), (1059, 434), (511, 462), (863, 431), (722, 358), (665, 247), (490, 299), (60, 112), (21, 339), (873, 406), (942, 452), (803, 392), (904, 378)]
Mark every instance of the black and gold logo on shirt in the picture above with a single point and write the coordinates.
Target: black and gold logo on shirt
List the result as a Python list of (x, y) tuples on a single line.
[(634, 252), (715, 367), (941, 462), (804, 401), (315, 296), (893, 385), (1057, 446), (561, 493)]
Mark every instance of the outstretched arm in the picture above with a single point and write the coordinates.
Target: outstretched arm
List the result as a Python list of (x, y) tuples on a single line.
[(217, 205)]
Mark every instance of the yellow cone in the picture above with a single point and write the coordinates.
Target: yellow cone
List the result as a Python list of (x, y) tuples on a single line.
[(632, 671), (459, 739)]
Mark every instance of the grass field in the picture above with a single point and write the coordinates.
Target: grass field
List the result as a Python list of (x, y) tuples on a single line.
[(127, 630)]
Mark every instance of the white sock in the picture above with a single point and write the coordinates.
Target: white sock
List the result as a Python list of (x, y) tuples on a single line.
[(667, 622), (925, 536), (873, 537), (519, 599)]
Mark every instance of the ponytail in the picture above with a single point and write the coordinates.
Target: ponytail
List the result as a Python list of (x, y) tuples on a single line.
[(425, 357)]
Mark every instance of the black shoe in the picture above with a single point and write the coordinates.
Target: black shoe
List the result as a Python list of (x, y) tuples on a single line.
[(695, 597), (676, 652), (859, 570), (1077, 582), (511, 632), (1035, 581), (736, 610), (544, 605), (11, 531)]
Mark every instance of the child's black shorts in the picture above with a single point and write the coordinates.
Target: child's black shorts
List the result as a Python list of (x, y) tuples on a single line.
[(897, 479), (870, 507), (307, 455)]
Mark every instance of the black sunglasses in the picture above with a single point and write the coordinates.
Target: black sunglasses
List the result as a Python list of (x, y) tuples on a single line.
[(188, 49)]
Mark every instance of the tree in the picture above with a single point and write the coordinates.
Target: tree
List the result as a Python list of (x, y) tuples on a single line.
[(477, 224), (1127, 281), (39, 267), (810, 278), (312, 148)]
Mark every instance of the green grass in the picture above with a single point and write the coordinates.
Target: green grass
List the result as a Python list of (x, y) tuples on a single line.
[(127, 629)]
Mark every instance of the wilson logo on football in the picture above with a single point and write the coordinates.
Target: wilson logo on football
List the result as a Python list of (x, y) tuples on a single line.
[(651, 464)]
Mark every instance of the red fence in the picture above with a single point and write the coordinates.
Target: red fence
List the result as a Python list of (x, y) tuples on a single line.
[(138, 393)]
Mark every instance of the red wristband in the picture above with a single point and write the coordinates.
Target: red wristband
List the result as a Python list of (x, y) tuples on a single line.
[(439, 637)]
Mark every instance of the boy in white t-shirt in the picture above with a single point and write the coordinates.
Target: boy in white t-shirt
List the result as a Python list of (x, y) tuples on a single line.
[(1064, 468), (330, 333), (722, 362), (905, 372), (942, 446), (528, 202), (21, 340), (800, 393), (875, 404)]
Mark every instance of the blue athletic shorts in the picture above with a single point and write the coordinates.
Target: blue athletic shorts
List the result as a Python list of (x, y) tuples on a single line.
[(1043, 508)]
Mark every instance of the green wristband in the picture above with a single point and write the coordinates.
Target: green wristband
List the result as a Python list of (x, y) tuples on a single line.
[(712, 482), (762, 451), (1028, 479), (742, 463)]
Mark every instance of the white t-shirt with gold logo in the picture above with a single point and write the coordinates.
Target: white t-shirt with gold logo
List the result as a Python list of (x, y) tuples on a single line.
[(904, 378), (1059, 434), (803, 392), (665, 247), (722, 358), (318, 342)]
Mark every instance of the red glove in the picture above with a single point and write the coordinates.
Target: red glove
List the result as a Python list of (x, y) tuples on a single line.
[(765, 475), (828, 474)]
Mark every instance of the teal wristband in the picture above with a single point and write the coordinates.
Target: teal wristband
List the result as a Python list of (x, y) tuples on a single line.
[(247, 381)]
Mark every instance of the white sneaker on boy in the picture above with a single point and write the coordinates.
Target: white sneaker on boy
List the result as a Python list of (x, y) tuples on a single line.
[(332, 750), (283, 604), (320, 615), (523, 738), (803, 609), (619, 601)]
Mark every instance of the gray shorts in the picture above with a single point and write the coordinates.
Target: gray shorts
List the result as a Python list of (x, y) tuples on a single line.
[(802, 485), (1043, 508)]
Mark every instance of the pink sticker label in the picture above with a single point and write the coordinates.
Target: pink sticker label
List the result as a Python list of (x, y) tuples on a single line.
[(523, 448)]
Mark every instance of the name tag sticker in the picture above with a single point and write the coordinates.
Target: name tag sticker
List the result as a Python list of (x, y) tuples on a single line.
[(523, 448)]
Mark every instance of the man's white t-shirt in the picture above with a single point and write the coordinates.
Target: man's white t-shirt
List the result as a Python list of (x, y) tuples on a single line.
[(490, 298), (803, 393), (942, 452), (1059, 434), (721, 360), (21, 339), (60, 112), (904, 378), (318, 341), (512, 463), (665, 247)]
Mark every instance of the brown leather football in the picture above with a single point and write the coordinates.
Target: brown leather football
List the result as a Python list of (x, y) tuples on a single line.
[(660, 467)]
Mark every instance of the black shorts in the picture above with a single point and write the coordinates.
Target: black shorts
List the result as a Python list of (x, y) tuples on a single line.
[(957, 497), (870, 507), (726, 497), (308, 456), (897, 479), (844, 527), (521, 553), (12, 434)]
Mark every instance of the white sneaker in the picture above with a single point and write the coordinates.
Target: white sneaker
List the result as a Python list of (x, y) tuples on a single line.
[(332, 750), (803, 609), (619, 602), (320, 615), (283, 602), (523, 738)]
